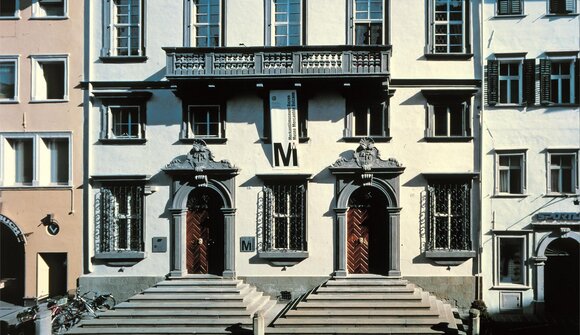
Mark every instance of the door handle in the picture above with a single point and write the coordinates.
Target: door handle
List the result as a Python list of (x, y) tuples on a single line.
[(361, 240), (200, 241)]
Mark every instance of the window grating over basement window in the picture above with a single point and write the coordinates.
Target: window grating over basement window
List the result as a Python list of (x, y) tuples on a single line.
[(449, 220)]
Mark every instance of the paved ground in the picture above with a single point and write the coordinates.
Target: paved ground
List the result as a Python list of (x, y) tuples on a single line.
[(531, 325)]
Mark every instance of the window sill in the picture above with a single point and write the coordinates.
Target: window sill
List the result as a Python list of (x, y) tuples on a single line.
[(449, 258), (283, 258), (561, 14), (6, 102), (120, 258), (559, 195), (48, 101), (124, 59), (504, 105), (9, 18), (515, 287), (266, 140), (63, 17), (126, 141), (449, 139), (377, 139), (28, 187), (509, 16), (208, 140), (449, 56), (553, 104), (508, 195)]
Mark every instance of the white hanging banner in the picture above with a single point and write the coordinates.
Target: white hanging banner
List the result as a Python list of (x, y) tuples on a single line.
[(284, 128)]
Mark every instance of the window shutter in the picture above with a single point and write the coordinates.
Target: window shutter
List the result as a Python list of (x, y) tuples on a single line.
[(545, 87), (576, 81), (555, 6), (570, 6), (466, 119), (516, 7), (107, 30), (492, 82), (529, 84), (430, 120), (497, 174), (502, 7), (549, 173), (524, 174)]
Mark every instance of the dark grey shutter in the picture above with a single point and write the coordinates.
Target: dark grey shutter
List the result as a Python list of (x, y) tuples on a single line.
[(555, 6), (502, 7), (576, 82), (492, 82), (545, 87), (516, 7), (529, 84), (569, 6), (466, 119)]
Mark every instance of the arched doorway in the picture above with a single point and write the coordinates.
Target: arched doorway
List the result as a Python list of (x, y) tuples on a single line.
[(367, 236), (561, 282), (204, 232), (11, 262)]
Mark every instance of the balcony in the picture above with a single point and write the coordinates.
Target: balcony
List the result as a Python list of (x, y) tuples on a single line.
[(261, 63)]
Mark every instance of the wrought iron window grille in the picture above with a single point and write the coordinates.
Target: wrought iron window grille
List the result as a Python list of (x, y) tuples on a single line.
[(449, 217)]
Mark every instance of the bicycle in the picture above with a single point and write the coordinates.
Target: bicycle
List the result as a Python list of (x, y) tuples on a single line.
[(80, 305)]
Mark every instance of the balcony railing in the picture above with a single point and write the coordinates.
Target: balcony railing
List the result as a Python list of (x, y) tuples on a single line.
[(302, 61)]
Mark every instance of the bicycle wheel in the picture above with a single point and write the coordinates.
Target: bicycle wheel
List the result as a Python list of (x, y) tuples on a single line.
[(104, 302), (59, 324)]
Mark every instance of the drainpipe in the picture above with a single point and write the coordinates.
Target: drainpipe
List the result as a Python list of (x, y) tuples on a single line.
[(480, 153)]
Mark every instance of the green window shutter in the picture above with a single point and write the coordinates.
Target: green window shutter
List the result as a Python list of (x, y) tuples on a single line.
[(492, 82), (529, 84), (502, 7), (545, 87), (516, 7)]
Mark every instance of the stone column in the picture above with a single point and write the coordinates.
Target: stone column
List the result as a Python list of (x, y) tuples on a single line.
[(539, 303), (394, 242), (341, 271), (229, 242), (178, 267)]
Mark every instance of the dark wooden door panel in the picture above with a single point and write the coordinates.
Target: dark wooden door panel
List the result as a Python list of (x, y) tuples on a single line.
[(197, 239), (358, 241)]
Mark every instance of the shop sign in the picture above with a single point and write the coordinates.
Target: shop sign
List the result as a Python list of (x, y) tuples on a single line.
[(555, 216), (13, 227), (284, 128), (53, 228)]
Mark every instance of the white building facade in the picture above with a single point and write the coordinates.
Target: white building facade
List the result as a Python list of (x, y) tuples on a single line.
[(283, 142), (531, 138)]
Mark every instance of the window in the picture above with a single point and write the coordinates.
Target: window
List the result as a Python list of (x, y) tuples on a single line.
[(206, 18), (561, 7), (557, 81), (204, 121), (49, 8), (49, 78), (36, 159), (511, 253), (284, 217), (123, 116), (510, 173), (8, 79), (449, 216), (367, 118), (562, 172), (510, 7), (448, 27), (8, 8), (126, 123), (123, 35), (511, 81), (284, 22), (368, 22), (119, 218), (449, 120)]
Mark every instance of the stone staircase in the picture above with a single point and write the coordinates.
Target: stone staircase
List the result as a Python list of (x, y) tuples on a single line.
[(202, 304), (366, 304)]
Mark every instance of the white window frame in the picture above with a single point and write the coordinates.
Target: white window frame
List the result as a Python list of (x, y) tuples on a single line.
[(16, 12), (275, 23), (433, 27), (574, 171), (110, 48), (368, 20), (570, 76), (16, 61), (192, 25), (351, 123), (37, 60), (465, 118), (37, 12), (498, 168), (498, 236), (41, 159), (112, 123), (508, 78), (191, 120)]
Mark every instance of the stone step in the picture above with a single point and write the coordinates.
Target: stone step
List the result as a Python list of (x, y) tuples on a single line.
[(157, 330), (423, 302), (182, 313), (201, 282), (366, 289), (181, 304), (366, 282), (195, 289), (186, 297), (326, 330), (362, 313), (169, 322), (353, 322), (366, 297)]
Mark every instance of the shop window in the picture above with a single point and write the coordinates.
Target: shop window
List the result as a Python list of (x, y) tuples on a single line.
[(511, 255)]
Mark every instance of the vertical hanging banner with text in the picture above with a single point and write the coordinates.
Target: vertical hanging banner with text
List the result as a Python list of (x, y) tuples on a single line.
[(284, 128)]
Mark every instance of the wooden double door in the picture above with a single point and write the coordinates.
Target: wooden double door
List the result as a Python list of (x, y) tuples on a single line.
[(367, 235), (204, 234)]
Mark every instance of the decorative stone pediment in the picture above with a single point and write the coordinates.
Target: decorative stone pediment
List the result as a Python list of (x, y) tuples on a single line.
[(367, 158), (199, 159)]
